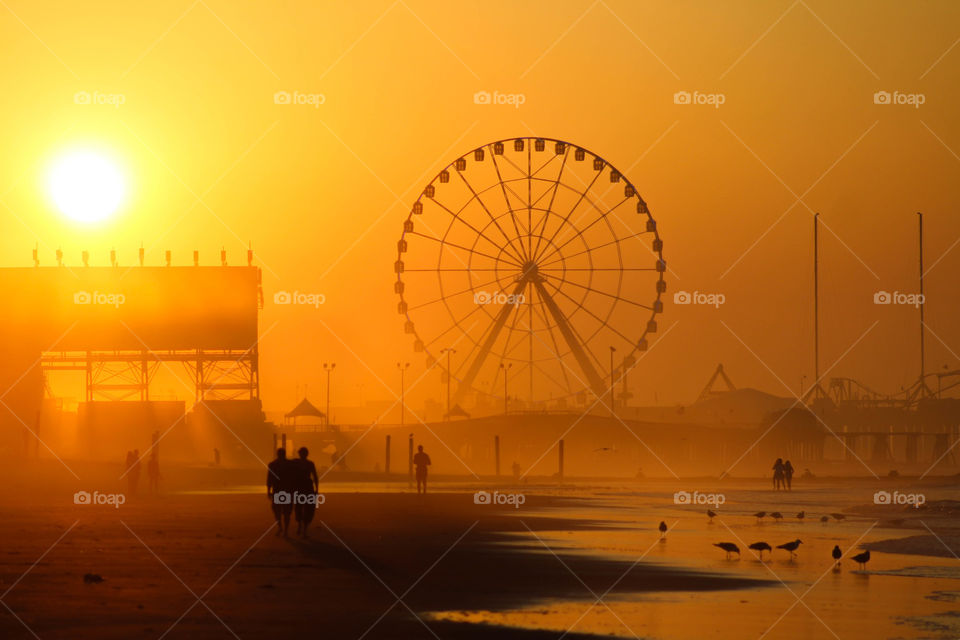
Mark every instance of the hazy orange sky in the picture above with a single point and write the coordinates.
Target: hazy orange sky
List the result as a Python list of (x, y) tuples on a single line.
[(322, 190)]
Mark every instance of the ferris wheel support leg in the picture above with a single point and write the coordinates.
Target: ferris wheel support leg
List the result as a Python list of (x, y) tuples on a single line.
[(596, 382), (467, 383)]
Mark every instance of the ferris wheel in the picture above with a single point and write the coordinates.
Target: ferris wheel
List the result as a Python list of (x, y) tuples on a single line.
[(534, 262)]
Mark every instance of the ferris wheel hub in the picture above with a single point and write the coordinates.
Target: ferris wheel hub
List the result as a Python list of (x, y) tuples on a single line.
[(530, 272)]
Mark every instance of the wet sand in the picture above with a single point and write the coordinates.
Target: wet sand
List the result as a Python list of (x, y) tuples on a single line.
[(585, 559)]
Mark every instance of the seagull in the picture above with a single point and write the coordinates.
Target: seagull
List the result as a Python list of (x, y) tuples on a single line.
[(663, 529), (711, 515), (824, 519), (760, 515), (838, 516), (776, 515), (729, 547), (837, 554), (761, 547), (790, 546), (862, 559), (801, 516)]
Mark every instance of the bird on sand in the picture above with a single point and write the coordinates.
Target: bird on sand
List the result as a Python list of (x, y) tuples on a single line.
[(729, 547), (838, 516), (776, 515), (837, 554), (663, 529), (862, 559), (824, 519), (711, 515), (791, 546), (760, 515), (761, 547), (801, 516)]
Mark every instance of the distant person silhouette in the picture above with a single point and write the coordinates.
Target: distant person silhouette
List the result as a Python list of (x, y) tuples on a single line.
[(788, 474), (153, 472), (307, 485), (421, 461), (216, 457), (280, 487), (516, 471), (778, 474)]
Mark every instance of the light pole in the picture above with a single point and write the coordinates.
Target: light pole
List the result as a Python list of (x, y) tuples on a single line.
[(505, 369), (613, 401), (448, 351), (403, 369), (329, 369)]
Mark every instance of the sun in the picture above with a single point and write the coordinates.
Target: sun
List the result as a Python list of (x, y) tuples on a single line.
[(86, 186)]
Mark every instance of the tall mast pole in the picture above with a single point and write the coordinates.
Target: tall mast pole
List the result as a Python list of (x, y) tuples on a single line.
[(816, 306), (923, 369)]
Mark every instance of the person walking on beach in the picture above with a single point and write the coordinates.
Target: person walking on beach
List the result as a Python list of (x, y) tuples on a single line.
[(308, 484), (280, 488), (788, 474), (421, 461), (778, 474)]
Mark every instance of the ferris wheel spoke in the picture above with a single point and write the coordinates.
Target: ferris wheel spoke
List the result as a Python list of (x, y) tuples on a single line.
[(553, 339), (575, 344), (553, 196), (467, 249), (598, 291), (540, 270), (488, 342), (579, 232), (455, 325), (456, 217), (521, 256), (506, 347), (566, 219), (603, 322), (596, 248), (450, 296)]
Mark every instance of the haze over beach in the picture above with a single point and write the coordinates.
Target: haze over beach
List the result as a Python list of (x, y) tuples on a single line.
[(476, 320)]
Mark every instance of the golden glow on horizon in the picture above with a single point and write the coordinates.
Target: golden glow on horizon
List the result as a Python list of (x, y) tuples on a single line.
[(86, 186)]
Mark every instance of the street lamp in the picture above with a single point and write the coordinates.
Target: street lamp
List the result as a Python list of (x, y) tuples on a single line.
[(448, 351), (613, 401), (329, 369), (505, 369), (403, 369)]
